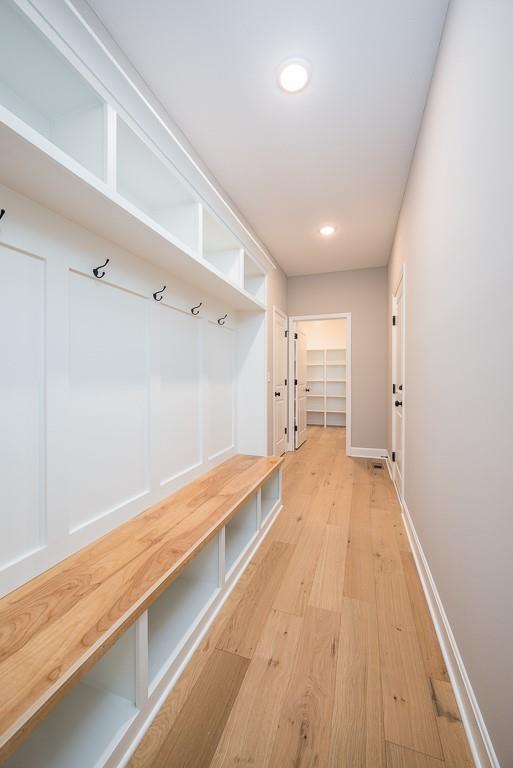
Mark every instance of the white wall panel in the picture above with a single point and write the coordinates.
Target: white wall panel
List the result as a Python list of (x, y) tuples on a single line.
[(22, 498), (179, 418), (108, 398), (220, 388)]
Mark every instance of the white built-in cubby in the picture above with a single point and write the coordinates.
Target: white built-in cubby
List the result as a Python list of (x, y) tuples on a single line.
[(254, 279), (40, 87), (179, 609), (240, 532), (326, 387), (152, 186), (88, 724), (221, 248), (101, 720)]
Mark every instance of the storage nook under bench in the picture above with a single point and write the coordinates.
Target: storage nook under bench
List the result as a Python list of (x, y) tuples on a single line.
[(89, 649)]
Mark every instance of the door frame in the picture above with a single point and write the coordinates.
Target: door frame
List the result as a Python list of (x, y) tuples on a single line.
[(277, 311), (397, 344), (335, 316)]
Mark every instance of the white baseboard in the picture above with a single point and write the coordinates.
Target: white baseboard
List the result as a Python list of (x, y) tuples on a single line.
[(368, 453), (475, 728)]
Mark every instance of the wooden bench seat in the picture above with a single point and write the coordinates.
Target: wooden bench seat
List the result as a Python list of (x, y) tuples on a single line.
[(54, 628)]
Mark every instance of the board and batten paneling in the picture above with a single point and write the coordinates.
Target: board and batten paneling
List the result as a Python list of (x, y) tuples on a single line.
[(22, 444), (110, 400), (108, 388), (180, 392)]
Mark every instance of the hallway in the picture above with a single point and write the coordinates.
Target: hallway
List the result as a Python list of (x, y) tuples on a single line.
[(325, 653)]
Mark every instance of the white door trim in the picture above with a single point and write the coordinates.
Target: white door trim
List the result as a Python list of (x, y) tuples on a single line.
[(402, 340), (336, 316), (277, 311)]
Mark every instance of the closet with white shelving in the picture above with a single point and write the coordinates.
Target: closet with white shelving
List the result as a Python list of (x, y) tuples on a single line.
[(326, 387)]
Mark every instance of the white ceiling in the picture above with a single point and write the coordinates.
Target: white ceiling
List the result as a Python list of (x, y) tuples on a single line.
[(337, 152)]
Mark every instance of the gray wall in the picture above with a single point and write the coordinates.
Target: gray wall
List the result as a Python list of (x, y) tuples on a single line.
[(363, 292), (277, 297), (455, 236)]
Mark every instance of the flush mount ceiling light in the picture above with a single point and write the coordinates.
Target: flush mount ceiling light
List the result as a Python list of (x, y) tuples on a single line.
[(327, 230), (293, 75)]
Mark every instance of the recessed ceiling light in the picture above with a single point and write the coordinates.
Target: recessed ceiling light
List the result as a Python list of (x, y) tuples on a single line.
[(327, 230), (294, 75)]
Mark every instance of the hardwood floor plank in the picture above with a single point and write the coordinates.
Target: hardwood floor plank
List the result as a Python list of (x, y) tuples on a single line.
[(302, 737), (190, 744), (357, 738), (409, 716), (292, 520), (296, 585), (401, 757), (452, 734), (249, 734), (328, 585), (359, 575), (429, 646), (243, 629)]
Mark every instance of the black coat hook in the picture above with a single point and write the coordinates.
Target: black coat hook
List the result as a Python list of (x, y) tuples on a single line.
[(222, 319), (156, 295), (96, 270), (195, 310), (2, 212)]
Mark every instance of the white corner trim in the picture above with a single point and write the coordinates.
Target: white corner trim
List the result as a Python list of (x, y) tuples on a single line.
[(472, 719), (368, 453)]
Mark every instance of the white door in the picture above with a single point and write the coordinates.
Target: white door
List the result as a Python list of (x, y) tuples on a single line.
[(300, 388), (398, 386), (280, 383)]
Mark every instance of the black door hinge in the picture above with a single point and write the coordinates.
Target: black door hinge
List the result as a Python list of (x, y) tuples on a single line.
[(295, 335), (393, 389), (285, 382), (394, 319), (286, 430), (295, 427), (295, 382), (393, 455), (286, 334)]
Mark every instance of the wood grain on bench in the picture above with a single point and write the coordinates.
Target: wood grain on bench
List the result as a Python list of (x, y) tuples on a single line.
[(55, 627)]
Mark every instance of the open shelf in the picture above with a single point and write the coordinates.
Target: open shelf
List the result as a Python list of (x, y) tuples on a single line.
[(335, 419), (335, 372), (179, 609), (39, 86), (316, 389), (221, 248), (86, 726), (315, 356), (335, 357), (270, 495), (254, 278), (145, 180), (315, 419), (239, 532)]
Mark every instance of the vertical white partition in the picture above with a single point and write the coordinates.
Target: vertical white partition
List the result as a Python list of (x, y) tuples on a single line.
[(22, 407)]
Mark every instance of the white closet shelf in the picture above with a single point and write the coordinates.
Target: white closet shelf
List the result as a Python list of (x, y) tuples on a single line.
[(334, 410), (315, 410), (33, 166)]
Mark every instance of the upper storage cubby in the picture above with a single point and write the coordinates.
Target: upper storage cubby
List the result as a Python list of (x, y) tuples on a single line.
[(149, 183), (41, 87), (221, 248), (254, 279)]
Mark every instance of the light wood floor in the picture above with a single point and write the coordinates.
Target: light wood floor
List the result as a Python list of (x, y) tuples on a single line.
[(324, 654)]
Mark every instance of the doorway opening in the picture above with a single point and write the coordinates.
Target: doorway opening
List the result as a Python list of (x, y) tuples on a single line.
[(320, 365)]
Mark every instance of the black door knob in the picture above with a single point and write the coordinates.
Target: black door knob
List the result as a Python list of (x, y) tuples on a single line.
[(276, 394), (400, 387), (307, 389), (398, 403)]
